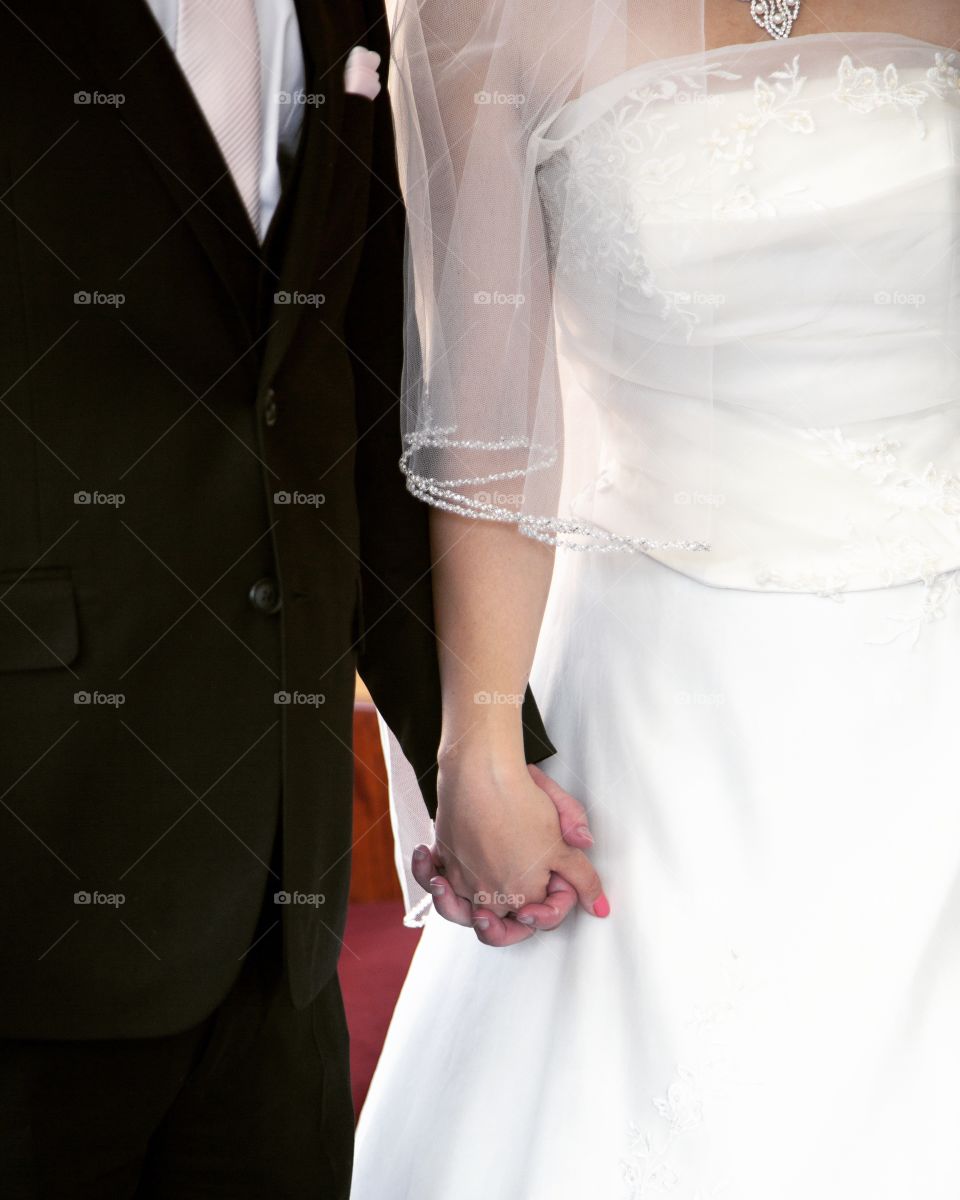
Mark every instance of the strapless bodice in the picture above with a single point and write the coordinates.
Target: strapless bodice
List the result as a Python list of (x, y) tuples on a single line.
[(783, 225)]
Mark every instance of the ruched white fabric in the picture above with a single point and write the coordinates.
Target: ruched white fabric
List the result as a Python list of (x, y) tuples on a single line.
[(783, 227)]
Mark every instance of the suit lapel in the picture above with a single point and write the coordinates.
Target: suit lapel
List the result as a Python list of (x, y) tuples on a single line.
[(117, 46), (127, 53)]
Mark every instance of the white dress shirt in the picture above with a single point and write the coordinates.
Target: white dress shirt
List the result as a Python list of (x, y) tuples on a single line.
[(282, 74)]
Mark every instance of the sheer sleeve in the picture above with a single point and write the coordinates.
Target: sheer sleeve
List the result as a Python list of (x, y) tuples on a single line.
[(497, 421), (481, 413)]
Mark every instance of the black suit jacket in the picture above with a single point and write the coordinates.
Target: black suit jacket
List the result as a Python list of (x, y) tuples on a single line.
[(163, 585)]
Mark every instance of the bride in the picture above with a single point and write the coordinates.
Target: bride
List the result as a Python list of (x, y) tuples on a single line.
[(684, 333)]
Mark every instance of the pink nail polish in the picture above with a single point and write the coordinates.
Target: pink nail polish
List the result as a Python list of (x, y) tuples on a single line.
[(602, 906)]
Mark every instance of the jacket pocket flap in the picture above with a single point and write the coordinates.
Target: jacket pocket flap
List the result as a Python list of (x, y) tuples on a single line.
[(38, 623)]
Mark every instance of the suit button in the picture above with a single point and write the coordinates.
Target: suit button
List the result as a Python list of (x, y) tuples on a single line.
[(270, 409), (265, 595)]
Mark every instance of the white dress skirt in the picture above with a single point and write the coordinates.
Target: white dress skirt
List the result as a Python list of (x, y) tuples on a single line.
[(772, 1010)]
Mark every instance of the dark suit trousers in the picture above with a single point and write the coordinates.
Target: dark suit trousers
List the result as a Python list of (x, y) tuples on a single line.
[(253, 1103)]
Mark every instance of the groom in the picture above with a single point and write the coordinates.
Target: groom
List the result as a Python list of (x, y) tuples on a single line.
[(203, 532)]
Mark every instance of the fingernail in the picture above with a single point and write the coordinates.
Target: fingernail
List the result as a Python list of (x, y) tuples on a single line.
[(420, 853), (481, 923), (437, 887), (526, 919), (584, 832), (602, 906)]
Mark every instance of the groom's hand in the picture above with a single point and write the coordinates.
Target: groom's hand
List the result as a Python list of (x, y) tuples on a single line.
[(505, 929)]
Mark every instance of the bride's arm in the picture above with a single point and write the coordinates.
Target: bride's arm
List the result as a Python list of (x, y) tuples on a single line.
[(490, 588), (498, 833), (471, 82)]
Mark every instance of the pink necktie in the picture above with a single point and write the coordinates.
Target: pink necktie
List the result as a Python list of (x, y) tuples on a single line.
[(218, 47)]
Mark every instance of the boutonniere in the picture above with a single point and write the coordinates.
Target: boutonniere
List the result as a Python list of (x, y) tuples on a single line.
[(362, 74)]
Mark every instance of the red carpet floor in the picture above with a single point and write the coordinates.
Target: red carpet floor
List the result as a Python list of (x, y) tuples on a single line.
[(376, 954)]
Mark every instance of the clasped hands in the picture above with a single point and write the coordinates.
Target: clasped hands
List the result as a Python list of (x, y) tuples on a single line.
[(509, 855)]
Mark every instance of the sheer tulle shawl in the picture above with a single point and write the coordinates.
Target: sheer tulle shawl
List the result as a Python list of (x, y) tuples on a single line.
[(489, 97)]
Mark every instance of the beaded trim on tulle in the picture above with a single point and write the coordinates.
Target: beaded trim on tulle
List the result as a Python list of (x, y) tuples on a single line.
[(553, 531)]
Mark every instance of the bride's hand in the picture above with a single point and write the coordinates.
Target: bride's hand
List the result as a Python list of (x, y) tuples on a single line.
[(508, 858)]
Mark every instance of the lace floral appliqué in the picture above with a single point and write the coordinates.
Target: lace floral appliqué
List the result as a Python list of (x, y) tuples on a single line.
[(652, 1164), (619, 173), (899, 559), (866, 89), (622, 170), (775, 101)]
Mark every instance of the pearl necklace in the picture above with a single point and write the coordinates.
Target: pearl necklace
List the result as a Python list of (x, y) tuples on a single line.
[(775, 16)]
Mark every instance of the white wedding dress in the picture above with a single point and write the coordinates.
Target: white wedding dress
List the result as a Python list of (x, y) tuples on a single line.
[(766, 736)]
